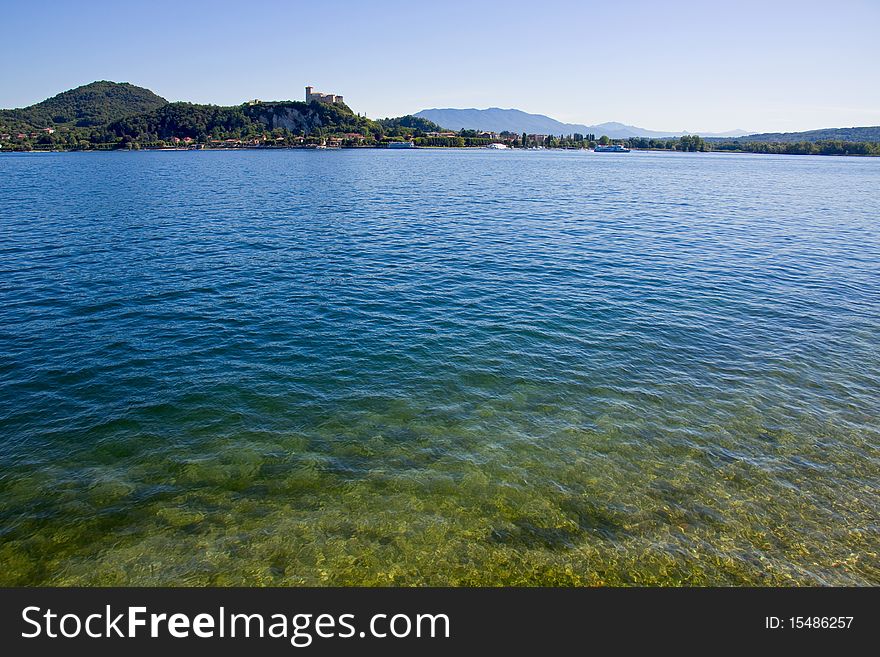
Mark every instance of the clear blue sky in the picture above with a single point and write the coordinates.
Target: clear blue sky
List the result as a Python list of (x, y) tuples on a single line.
[(700, 66)]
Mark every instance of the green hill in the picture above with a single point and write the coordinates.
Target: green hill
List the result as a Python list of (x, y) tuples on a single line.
[(869, 133), (200, 122), (249, 121), (106, 113), (411, 122), (92, 104)]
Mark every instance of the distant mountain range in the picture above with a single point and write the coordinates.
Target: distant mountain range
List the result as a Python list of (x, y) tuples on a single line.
[(496, 119)]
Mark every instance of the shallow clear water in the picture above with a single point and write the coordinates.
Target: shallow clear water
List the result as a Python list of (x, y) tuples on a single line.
[(439, 367)]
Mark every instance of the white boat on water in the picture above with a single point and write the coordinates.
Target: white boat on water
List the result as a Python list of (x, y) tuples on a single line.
[(401, 144), (498, 147), (611, 148)]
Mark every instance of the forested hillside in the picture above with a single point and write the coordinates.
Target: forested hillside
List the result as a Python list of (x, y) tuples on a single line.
[(113, 115), (91, 105), (868, 134)]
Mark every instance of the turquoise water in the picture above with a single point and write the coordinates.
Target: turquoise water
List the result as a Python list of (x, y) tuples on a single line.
[(439, 367)]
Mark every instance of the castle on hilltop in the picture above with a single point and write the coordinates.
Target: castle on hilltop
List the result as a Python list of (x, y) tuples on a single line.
[(324, 98)]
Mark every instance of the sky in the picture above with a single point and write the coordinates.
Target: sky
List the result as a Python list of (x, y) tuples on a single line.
[(706, 66)]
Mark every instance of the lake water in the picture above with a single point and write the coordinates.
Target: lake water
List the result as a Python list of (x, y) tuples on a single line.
[(439, 367)]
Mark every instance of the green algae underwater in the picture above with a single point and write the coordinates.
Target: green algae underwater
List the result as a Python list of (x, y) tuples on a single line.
[(493, 382), (270, 509)]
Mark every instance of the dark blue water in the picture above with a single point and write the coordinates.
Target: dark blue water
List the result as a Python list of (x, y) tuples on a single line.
[(439, 366)]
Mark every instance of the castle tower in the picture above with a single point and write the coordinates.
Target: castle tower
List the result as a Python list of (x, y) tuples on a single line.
[(309, 94)]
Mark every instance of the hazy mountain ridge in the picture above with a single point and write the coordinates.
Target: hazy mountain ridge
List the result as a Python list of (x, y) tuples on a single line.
[(497, 119)]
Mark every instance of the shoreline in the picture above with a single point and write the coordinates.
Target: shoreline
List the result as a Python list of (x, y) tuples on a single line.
[(384, 148)]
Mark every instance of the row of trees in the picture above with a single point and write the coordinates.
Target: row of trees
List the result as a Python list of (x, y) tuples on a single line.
[(301, 124), (825, 147), (688, 143), (203, 124)]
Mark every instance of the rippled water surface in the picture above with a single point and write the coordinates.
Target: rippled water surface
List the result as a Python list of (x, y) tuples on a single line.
[(439, 367)]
